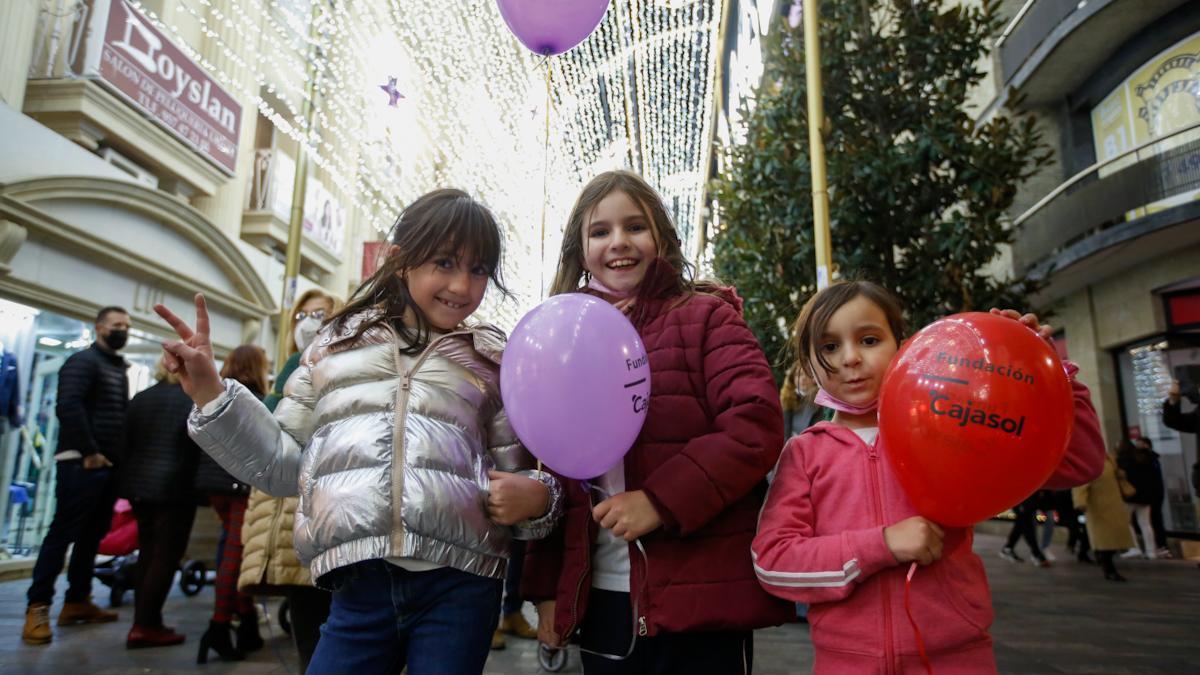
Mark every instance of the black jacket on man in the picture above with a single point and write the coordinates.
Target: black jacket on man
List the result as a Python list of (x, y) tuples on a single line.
[(93, 393), (1175, 418), (158, 464), (1188, 423)]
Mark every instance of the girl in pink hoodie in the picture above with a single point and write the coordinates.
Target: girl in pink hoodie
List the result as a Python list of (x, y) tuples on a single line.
[(838, 532)]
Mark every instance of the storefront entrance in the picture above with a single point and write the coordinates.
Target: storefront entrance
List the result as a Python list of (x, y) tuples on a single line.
[(34, 344)]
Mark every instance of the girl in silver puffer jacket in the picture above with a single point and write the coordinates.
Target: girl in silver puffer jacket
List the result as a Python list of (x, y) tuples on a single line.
[(392, 432)]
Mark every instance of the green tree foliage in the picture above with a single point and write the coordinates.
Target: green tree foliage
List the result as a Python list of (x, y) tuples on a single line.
[(918, 189)]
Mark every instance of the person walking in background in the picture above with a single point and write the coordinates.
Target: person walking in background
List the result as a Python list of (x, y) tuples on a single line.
[(1173, 417), (1141, 468), (1025, 525), (1146, 450), (158, 470), (270, 565), (1107, 518), (246, 364), (1068, 517), (93, 393)]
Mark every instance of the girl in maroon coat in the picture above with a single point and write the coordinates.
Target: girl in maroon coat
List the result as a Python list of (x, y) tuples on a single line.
[(651, 565)]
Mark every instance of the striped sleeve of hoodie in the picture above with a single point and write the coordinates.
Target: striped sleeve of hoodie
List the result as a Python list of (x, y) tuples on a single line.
[(794, 563)]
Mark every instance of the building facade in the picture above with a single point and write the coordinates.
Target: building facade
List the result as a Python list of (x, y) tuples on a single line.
[(1112, 227), (130, 175)]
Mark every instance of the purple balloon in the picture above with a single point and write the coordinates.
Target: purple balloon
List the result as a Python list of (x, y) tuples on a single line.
[(550, 27), (575, 381)]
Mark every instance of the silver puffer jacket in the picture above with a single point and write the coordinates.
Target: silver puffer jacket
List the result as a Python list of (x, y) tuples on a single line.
[(388, 452)]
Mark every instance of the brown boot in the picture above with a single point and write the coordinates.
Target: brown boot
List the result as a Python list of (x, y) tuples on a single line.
[(37, 625), (498, 640), (83, 612), (515, 624)]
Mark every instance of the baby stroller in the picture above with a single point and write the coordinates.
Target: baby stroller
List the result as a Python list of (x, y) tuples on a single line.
[(120, 544)]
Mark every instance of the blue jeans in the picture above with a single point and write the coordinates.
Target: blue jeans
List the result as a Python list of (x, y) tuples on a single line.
[(82, 515), (384, 617)]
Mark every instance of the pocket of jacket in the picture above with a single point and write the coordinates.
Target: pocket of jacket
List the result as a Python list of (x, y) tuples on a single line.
[(963, 582), (854, 624)]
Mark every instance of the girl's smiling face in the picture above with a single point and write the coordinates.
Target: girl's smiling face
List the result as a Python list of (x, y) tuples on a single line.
[(447, 289), (618, 243), (858, 344)]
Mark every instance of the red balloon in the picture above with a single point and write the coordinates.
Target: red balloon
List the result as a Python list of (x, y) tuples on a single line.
[(975, 414)]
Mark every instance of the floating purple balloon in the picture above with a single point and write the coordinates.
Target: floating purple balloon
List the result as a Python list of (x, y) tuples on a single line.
[(550, 27), (575, 381)]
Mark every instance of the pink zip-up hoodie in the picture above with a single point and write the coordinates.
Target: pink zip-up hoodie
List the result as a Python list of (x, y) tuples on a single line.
[(820, 541)]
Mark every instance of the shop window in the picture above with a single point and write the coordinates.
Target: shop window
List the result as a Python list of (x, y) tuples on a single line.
[(34, 344), (1145, 371)]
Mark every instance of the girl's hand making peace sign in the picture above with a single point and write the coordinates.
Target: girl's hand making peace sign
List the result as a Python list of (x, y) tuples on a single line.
[(192, 356)]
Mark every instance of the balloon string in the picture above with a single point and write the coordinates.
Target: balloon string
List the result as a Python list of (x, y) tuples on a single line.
[(545, 191), (545, 185), (913, 622)]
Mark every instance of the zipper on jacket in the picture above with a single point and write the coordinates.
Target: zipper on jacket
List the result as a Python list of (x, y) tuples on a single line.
[(401, 413), (272, 537), (587, 567), (638, 590), (877, 504)]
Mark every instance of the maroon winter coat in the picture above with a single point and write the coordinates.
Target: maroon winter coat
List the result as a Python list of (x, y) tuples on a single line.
[(713, 431)]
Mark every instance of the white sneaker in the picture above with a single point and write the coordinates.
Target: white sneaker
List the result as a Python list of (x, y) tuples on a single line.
[(1049, 556), (1133, 553)]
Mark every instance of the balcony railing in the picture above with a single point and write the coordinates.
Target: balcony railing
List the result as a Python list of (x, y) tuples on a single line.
[(58, 39), (1034, 21), (1146, 179)]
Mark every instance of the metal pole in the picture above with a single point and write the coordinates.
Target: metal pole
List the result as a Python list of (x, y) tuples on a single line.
[(816, 144), (299, 188)]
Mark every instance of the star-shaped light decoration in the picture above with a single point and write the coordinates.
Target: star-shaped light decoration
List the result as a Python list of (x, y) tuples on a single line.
[(393, 93)]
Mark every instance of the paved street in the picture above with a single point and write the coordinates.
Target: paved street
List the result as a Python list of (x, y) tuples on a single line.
[(1066, 619)]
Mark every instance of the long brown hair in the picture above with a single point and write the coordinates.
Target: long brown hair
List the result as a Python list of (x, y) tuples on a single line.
[(820, 308), (445, 219), (571, 273), (248, 364)]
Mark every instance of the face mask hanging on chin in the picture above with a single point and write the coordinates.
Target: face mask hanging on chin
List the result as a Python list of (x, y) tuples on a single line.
[(828, 400)]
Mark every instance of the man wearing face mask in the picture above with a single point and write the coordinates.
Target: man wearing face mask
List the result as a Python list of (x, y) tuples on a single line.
[(93, 393)]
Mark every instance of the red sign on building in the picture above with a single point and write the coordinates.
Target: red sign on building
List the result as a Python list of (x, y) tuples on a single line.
[(373, 253), (147, 69)]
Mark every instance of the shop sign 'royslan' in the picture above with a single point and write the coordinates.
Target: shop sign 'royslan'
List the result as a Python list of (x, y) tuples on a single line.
[(134, 59)]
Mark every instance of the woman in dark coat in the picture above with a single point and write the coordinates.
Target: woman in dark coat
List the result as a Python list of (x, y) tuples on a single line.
[(1142, 469), (158, 466), (246, 364)]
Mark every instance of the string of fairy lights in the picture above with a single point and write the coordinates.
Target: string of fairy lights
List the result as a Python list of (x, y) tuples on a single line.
[(635, 94)]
